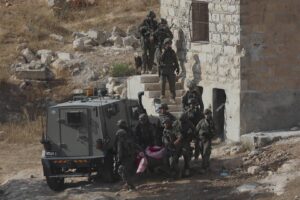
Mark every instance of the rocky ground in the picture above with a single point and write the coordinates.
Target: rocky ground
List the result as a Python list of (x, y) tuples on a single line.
[(271, 172)]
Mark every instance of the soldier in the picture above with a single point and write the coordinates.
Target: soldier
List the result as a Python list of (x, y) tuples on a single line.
[(163, 32), (187, 134), (171, 140), (126, 153), (192, 93), (195, 115), (163, 115), (147, 29), (168, 64), (206, 131), (145, 132)]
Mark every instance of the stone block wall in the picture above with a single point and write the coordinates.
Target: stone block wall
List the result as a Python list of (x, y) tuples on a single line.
[(213, 64), (270, 69)]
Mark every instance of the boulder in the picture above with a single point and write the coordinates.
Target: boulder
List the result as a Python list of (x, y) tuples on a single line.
[(33, 71), (44, 51), (88, 43), (64, 56), (131, 41), (78, 44), (99, 36), (132, 30), (254, 170), (56, 37), (28, 55), (116, 40), (63, 67), (118, 32), (77, 35), (46, 59)]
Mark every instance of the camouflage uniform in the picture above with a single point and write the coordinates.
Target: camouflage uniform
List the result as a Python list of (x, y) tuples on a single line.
[(147, 29), (192, 93), (126, 153), (206, 131), (145, 132), (187, 134), (168, 64), (194, 114)]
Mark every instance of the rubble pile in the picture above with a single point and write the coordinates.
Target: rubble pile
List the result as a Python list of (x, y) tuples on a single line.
[(264, 161)]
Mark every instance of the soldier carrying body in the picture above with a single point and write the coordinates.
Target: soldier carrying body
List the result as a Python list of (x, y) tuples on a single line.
[(194, 114), (168, 65), (147, 29), (187, 134), (126, 153), (192, 93), (206, 131), (145, 132), (170, 139)]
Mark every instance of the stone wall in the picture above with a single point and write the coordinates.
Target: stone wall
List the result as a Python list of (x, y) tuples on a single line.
[(213, 64), (270, 69)]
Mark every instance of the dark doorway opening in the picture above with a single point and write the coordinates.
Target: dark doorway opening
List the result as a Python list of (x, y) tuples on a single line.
[(219, 100)]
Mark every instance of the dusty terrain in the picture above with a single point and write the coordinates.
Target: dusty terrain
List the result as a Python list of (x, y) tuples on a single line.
[(21, 177)]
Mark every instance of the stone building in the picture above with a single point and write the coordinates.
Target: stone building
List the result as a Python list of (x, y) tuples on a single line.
[(244, 55)]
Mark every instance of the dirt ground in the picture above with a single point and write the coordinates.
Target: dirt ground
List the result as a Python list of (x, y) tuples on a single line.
[(21, 178)]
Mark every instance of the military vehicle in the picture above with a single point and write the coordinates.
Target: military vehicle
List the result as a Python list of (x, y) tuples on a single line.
[(80, 135)]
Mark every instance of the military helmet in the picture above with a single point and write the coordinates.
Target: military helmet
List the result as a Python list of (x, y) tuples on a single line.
[(183, 117), (207, 111), (190, 84), (151, 14), (167, 41), (121, 123), (163, 21), (164, 106), (192, 101)]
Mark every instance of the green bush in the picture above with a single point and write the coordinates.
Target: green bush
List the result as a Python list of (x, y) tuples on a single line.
[(121, 70)]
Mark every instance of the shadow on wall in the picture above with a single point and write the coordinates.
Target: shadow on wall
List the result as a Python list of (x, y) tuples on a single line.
[(196, 69), (181, 52)]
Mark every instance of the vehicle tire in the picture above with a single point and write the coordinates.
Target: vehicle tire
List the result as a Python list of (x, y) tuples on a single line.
[(107, 172), (55, 184)]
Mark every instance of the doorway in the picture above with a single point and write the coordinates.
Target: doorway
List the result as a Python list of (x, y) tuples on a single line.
[(219, 100)]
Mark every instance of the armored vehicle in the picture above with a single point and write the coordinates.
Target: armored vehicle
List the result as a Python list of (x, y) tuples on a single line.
[(80, 135)]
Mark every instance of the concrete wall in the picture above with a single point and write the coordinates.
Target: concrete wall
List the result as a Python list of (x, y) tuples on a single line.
[(270, 71), (213, 64)]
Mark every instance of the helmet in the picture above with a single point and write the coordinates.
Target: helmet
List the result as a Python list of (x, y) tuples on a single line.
[(143, 118), (163, 21), (151, 14), (167, 41), (166, 120), (121, 123), (164, 106), (183, 117), (207, 111), (192, 101), (190, 84)]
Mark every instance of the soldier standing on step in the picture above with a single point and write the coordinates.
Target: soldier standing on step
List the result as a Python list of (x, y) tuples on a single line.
[(147, 29), (206, 132), (192, 93), (168, 65)]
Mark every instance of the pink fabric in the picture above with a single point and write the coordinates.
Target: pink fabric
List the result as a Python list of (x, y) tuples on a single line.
[(155, 152), (142, 165)]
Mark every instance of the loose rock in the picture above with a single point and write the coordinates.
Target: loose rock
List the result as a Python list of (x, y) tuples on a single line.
[(254, 170), (28, 55), (56, 37)]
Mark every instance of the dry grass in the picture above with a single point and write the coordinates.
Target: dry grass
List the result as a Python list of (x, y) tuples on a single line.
[(27, 132)]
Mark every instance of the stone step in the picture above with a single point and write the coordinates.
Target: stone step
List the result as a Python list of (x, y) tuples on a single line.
[(156, 94), (149, 78), (156, 86)]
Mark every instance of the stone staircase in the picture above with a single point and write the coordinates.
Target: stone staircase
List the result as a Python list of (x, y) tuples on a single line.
[(151, 86)]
